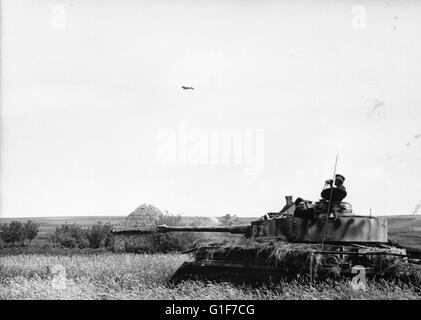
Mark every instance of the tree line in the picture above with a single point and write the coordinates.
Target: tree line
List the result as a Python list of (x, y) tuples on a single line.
[(66, 235), (18, 232), (74, 236), (99, 235)]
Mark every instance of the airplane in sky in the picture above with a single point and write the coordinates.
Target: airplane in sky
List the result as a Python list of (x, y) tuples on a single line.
[(187, 88)]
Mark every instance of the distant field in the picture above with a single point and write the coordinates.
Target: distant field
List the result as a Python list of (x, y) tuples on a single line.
[(405, 229), (404, 223)]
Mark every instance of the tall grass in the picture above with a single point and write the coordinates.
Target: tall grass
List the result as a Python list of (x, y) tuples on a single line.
[(131, 276), (146, 268)]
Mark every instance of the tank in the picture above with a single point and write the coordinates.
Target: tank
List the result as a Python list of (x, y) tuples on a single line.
[(303, 240)]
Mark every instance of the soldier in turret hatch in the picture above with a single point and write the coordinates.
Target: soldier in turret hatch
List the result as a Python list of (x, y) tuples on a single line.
[(304, 209), (339, 182), (335, 194)]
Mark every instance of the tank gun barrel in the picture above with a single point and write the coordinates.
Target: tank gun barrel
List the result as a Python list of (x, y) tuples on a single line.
[(236, 229)]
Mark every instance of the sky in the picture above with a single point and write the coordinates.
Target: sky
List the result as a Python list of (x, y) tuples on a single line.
[(94, 120)]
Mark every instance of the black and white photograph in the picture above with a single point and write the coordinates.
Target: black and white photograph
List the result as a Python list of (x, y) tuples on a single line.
[(221, 150)]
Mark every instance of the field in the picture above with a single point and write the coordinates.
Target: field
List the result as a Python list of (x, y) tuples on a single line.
[(405, 229), (141, 276)]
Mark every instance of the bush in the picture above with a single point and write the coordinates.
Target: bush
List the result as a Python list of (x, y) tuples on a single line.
[(70, 236), (17, 232), (74, 236), (13, 232), (99, 235), (31, 229)]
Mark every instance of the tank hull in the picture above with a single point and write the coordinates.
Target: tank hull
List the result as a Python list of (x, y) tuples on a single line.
[(265, 262)]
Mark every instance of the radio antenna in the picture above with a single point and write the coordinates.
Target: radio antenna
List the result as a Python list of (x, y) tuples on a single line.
[(329, 204)]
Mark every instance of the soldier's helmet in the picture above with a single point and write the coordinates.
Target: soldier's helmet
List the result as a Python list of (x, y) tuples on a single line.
[(340, 178)]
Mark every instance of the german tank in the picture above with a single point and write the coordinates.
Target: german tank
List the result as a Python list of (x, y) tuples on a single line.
[(321, 240)]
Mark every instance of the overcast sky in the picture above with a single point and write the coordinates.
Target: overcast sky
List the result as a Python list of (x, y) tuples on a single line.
[(91, 92)]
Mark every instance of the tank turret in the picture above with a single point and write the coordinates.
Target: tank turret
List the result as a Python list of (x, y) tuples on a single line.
[(292, 224)]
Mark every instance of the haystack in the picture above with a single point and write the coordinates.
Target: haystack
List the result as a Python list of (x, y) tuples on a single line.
[(142, 219), (128, 234)]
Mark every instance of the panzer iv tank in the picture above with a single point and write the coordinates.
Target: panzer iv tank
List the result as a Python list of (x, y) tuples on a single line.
[(321, 240)]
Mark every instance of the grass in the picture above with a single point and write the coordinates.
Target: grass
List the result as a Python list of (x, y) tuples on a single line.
[(51, 251), (134, 276)]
